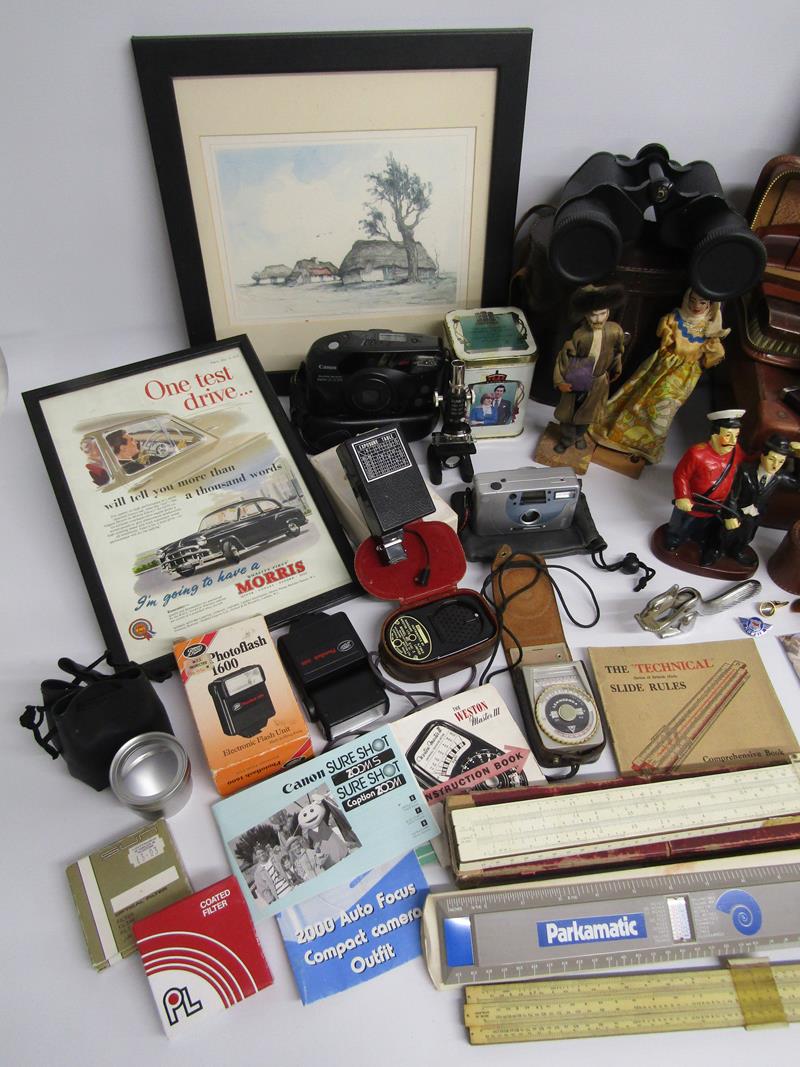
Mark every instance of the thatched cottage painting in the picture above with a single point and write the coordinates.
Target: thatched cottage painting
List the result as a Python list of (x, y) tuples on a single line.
[(383, 261), (341, 224)]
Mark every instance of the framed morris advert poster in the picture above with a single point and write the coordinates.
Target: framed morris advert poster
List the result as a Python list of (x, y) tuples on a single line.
[(188, 501)]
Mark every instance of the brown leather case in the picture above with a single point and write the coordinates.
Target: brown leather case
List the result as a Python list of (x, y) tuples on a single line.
[(764, 350), (784, 566), (532, 617), (435, 547), (407, 671)]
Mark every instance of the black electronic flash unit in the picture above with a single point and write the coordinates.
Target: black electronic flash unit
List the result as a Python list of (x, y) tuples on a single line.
[(242, 701), (388, 486), (328, 664)]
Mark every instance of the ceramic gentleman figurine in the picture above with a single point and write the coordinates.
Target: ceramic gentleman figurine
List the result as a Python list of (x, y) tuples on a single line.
[(755, 482), (702, 482), (588, 363)]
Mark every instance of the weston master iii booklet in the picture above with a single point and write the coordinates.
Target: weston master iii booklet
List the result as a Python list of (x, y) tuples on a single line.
[(690, 707), (464, 743)]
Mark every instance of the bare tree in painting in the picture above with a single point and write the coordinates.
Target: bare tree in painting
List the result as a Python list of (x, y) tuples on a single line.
[(408, 199)]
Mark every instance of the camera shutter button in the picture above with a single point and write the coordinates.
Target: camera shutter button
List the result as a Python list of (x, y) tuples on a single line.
[(496, 485)]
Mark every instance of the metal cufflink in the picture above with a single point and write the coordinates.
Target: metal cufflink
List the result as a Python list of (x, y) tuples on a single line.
[(767, 608)]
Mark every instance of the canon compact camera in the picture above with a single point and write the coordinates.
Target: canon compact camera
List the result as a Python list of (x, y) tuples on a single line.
[(357, 380)]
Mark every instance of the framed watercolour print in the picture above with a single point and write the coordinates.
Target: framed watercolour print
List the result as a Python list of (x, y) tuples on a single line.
[(187, 499), (319, 182)]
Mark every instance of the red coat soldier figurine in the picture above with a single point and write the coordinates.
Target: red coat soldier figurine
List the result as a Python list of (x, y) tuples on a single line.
[(702, 482)]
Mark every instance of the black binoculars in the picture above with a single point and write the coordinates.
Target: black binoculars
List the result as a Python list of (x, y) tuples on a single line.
[(611, 201)]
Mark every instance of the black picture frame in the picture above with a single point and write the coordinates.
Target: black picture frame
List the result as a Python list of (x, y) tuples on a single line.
[(56, 436), (161, 61)]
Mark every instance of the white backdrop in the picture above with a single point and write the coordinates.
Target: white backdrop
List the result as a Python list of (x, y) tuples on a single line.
[(86, 282), (84, 247)]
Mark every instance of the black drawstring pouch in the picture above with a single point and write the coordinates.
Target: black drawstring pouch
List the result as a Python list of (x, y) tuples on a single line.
[(87, 719)]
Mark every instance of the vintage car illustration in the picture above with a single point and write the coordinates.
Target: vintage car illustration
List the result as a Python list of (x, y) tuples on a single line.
[(231, 531), (136, 449)]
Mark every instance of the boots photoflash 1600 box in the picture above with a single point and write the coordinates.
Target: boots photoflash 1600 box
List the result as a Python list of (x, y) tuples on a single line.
[(249, 720)]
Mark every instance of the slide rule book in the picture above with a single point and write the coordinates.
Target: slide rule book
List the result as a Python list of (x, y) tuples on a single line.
[(675, 740), (593, 923), (748, 992), (508, 834)]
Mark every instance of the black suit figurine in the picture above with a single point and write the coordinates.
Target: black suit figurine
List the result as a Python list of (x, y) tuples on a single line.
[(755, 482)]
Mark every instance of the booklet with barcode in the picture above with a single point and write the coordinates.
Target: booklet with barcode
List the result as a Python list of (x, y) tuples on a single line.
[(121, 882)]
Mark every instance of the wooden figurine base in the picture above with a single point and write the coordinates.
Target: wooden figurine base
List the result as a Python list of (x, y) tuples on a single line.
[(577, 458), (687, 558), (621, 462)]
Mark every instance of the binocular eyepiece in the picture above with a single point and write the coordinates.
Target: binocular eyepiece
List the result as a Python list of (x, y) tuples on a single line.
[(611, 201)]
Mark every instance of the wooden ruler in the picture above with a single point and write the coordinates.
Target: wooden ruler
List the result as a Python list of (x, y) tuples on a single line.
[(748, 992)]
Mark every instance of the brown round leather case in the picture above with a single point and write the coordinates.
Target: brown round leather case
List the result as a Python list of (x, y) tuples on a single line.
[(784, 566), (438, 629)]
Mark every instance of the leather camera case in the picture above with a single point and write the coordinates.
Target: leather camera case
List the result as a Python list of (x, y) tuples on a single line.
[(433, 546), (764, 351)]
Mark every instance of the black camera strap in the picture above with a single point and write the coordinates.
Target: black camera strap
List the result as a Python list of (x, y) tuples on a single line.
[(629, 564), (33, 719)]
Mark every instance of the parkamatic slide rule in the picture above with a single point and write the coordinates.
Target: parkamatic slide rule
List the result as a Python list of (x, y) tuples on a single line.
[(656, 915)]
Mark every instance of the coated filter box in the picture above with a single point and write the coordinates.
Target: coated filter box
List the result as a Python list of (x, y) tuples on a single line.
[(248, 717), (201, 956)]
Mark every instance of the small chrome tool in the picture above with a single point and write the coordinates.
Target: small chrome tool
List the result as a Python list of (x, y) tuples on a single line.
[(674, 611)]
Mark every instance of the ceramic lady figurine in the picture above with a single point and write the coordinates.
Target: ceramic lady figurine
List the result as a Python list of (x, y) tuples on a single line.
[(638, 417)]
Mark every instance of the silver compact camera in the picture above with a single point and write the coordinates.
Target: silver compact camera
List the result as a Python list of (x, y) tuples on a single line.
[(532, 498)]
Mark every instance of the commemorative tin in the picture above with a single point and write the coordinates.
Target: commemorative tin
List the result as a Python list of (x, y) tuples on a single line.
[(499, 352)]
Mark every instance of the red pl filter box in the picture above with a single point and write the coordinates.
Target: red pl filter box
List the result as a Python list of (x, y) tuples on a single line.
[(201, 955)]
